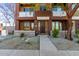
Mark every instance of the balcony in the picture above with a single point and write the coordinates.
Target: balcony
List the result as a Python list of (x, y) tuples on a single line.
[(26, 14), (43, 13), (59, 13)]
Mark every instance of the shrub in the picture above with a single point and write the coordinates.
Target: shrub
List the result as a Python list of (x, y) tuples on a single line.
[(77, 33), (55, 33), (11, 33), (22, 35), (4, 28)]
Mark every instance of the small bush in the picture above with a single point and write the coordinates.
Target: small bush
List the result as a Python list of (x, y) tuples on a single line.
[(55, 33), (77, 33), (11, 33), (4, 28), (22, 35), (29, 43)]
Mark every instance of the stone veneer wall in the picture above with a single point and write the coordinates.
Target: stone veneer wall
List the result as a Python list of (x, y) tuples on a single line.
[(27, 33)]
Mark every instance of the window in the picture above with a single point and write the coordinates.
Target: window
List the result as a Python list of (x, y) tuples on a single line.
[(28, 9), (56, 25), (32, 26), (28, 26), (43, 7), (54, 9), (53, 25), (57, 8), (58, 11)]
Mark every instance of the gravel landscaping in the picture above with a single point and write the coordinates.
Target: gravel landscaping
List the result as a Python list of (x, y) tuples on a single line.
[(22, 43), (64, 44)]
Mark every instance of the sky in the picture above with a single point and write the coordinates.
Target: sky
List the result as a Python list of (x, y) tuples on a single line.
[(7, 13)]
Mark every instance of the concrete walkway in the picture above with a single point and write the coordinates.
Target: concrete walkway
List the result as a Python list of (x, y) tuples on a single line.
[(46, 46)]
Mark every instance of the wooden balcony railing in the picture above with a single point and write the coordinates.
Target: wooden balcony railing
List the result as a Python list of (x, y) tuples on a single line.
[(43, 13)]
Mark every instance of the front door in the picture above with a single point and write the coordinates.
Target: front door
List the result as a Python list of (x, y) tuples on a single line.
[(42, 26)]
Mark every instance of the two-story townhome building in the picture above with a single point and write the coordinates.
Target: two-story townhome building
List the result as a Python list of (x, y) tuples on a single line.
[(42, 18)]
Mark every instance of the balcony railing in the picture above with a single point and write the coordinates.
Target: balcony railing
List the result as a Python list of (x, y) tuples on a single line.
[(57, 13), (43, 13), (26, 14)]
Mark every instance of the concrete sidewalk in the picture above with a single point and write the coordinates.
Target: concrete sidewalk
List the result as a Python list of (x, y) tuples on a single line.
[(19, 52)]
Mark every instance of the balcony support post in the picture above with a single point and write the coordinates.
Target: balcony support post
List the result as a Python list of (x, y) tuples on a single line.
[(36, 27)]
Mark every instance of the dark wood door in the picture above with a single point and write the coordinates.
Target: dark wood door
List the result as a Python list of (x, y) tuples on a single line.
[(42, 26)]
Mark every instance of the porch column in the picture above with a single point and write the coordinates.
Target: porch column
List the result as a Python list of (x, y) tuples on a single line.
[(50, 26), (36, 27), (66, 29), (17, 25)]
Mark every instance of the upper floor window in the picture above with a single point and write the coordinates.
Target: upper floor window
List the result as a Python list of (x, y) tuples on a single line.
[(28, 9), (58, 11), (42, 7), (54, 9)]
